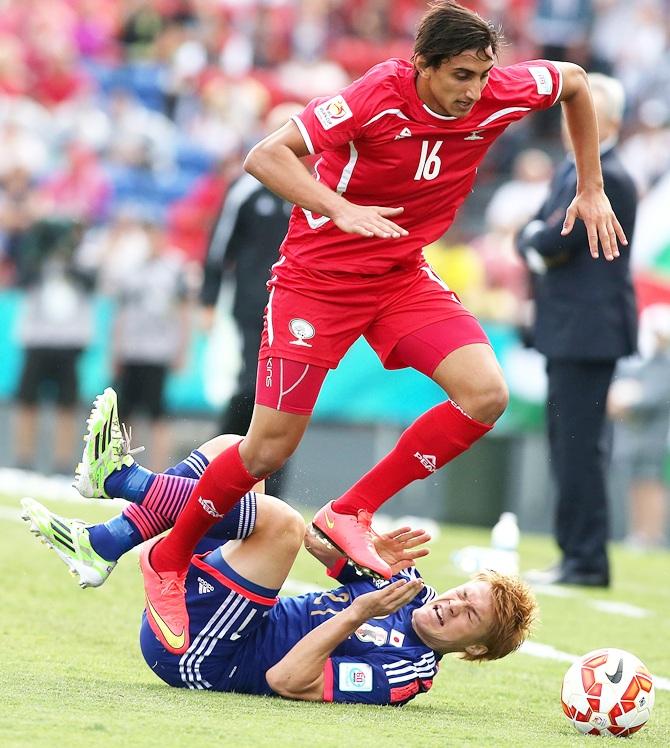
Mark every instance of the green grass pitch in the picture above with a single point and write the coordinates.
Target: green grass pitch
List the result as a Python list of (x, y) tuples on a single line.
[(72, 672)]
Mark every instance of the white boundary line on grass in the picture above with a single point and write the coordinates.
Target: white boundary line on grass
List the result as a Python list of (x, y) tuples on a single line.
[(547, 652)]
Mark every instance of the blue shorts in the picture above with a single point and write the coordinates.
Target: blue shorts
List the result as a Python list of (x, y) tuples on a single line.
[(224, 609)]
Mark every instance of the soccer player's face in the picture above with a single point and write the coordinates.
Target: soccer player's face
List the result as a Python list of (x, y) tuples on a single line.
[(457, 85), (459, 618)]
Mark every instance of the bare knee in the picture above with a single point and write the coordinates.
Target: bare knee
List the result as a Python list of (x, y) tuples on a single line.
[(218, 444), (265, 456), (281, 521), (487, 403)]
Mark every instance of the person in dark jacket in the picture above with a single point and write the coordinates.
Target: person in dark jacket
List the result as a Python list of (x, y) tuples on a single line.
[(585, 319)]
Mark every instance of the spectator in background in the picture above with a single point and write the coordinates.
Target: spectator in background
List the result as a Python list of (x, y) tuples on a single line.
[(516, 201), (512, 205), (55, 325), (639, 403), (21, 148), (151, 331), (80, 189), (245, 243), (560, 29), (585, 321), (19, 209), (646, 153)]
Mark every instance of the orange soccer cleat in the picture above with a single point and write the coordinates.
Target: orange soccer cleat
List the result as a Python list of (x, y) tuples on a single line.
[(166, 603), (352, 535)]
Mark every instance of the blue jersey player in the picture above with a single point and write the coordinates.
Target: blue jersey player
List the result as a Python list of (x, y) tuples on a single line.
[(365, 641)]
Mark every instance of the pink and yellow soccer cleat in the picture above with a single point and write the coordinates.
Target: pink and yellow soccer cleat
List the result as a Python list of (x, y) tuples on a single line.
[(352, 535), (165, 596)]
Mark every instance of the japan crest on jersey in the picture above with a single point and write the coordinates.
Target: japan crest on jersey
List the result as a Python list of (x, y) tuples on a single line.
[(332, 112)]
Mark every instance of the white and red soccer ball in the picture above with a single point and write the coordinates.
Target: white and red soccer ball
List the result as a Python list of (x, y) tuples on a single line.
[(608, 692)]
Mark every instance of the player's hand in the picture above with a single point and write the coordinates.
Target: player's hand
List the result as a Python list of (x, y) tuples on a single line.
[(368, 220), (400, 548), (388, 599), (602, 226)]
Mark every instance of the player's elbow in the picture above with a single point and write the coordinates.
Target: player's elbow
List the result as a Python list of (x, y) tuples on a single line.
[(574, 80), (286, 685), (253, 162)]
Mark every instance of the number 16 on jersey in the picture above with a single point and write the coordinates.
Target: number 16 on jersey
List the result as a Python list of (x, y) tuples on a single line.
[(429, 163)]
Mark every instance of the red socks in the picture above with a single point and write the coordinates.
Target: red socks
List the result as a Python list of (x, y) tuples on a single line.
[(430, 442), (221, 486)]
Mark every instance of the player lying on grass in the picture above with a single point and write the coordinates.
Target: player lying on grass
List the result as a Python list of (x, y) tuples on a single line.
[(366, 641)]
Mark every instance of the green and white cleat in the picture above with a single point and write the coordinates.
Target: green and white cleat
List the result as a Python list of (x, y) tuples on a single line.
[(107, 447), (69, 538)]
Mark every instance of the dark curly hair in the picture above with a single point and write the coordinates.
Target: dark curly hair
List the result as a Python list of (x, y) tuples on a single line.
[(447, 29)]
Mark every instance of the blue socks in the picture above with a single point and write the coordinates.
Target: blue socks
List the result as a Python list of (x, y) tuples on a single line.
[(114, 538), (117, 536), (130, 483), (133, 483)]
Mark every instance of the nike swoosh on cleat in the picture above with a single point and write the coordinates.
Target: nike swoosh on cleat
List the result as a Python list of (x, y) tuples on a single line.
[(329, 522), (616, 677), (175, 641)]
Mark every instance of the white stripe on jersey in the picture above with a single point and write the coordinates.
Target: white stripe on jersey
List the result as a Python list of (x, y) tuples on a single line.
[(428, 592), (314, 223), (348, 169), (411, 573), (397, 113), (304, 133), (428, 270), (501, 113), (560, 86), (268, 315), (213, 641), (247, 518), (196, 464), (435, 114), (226, 616), (405, 671), (345, 178)]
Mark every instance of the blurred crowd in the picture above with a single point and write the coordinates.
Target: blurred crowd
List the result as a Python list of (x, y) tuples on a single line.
[(122, 115)]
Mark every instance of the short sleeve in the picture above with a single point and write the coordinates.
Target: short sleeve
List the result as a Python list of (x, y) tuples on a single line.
[(536, 83), (374, 679), (329, 122)]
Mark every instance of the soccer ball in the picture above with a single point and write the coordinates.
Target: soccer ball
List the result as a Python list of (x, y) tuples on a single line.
[(608, 692)]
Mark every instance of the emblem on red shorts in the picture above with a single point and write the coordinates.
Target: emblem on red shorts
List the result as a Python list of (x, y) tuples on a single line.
[(302, 330)]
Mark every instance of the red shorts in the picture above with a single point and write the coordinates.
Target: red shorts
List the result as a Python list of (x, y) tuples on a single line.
[(315, 317)]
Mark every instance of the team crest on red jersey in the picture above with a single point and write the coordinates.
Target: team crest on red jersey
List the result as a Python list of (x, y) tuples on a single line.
[(332, 112)]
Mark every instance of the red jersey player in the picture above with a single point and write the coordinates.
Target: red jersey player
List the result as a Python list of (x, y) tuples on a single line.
[(398, 153)]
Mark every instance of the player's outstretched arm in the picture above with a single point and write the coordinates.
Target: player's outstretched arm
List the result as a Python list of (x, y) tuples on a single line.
[(299, 674), (275, 161), (591, 204)]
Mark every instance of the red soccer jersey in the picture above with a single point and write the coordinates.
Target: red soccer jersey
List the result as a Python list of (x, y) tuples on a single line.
[(379, 144)]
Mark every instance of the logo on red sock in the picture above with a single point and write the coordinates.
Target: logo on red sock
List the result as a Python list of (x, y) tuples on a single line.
[(428, 461), (209, 507)]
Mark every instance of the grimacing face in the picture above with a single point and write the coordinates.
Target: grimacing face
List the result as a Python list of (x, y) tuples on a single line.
[(456, 86), (457, 620)]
